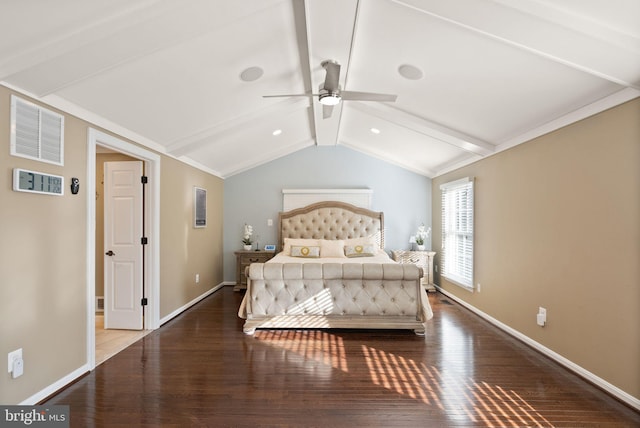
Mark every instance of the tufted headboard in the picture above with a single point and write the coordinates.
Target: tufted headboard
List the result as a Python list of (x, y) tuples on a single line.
[(331, 220)]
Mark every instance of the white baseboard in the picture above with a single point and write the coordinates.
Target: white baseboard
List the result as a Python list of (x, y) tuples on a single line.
[(56, 386), (601, 383), (183, 308), (61, 383)]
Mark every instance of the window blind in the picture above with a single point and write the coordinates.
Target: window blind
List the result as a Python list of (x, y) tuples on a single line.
[(457, 231)]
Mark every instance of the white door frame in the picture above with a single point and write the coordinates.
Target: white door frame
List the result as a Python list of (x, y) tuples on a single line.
[(152, 224)]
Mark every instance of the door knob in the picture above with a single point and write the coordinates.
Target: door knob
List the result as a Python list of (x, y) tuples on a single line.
[(110, 253)]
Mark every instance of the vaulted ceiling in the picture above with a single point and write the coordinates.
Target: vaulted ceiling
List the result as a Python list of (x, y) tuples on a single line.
[(187, 78)]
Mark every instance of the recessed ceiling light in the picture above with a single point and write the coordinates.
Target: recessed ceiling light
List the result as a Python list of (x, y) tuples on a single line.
[(375, 130), (410, 72), (277, 132), (251, 74)]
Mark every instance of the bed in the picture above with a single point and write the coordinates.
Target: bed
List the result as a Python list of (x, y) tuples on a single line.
[(331, 271)]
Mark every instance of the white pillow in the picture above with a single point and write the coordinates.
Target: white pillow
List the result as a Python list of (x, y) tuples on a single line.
[(359, 250), (331, 248), (288, 242), (305, 251)]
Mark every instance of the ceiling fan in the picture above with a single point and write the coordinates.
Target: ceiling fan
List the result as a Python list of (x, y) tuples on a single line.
[(331, 94)]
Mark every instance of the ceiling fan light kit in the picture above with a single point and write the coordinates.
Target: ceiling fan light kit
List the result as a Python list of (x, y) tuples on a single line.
[(329, 99), (331, 94)]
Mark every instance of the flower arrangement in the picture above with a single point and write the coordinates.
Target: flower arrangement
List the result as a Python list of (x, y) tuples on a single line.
[(422, 234), (246, 237)]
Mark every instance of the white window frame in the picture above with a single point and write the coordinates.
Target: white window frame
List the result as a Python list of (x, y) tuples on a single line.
[(457, 232)]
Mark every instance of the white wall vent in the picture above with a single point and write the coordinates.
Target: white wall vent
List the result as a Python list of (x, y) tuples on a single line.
[(99, 304), (36, 133)]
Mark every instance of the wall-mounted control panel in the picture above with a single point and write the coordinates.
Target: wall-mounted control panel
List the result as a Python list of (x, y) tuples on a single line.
[(37, 182)]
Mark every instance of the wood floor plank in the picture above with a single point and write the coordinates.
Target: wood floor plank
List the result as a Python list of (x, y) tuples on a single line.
[(201, 370)]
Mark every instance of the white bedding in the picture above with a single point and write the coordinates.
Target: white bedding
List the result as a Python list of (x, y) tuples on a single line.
[(380, 257)]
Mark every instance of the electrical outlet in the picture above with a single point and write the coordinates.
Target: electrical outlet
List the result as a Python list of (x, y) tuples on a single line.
[(12, 356), (18, 368), (478, 287), (197, 278), (541, 318), (269, 222)]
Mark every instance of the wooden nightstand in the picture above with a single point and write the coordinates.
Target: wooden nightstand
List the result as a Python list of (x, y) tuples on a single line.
[(423, 259), (244, 259)]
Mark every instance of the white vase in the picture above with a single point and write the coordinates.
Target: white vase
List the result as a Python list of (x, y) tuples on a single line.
[(421, 247), (247, 247)]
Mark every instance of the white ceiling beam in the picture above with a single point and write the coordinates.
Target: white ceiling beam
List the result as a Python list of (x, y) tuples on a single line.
[(425, 127), (106, 44), (266, 156), (455, 163), (89, 116), (330, 27), (553, 11), (218, 134), (26, 56), (626, 94), (384, 156), (100, 122), (596, 107), (616, 62)]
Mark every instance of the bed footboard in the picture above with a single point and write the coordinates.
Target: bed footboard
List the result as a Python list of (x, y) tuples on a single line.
[(335, 295)]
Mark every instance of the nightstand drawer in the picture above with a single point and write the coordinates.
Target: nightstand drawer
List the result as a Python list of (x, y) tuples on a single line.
[(243, 260), (253, 258)]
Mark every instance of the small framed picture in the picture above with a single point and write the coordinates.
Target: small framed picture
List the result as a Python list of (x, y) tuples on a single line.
[(199, 207)]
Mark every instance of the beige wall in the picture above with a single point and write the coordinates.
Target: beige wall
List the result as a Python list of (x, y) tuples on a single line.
[(43, 264), (186, 251), (42, 268), (557, 225)]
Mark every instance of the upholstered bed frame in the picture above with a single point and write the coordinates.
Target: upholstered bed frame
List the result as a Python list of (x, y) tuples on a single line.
[(350, 294), (331, 220)]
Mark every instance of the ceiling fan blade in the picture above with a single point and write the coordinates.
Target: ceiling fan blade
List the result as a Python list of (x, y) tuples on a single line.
[(326, 111), (288, 95), (331, 80), (367, 96)]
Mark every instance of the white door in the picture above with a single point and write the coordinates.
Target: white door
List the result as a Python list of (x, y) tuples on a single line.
[(123, 250)]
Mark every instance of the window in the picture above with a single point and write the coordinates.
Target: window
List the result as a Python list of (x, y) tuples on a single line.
[(36, 133), (457, 231)]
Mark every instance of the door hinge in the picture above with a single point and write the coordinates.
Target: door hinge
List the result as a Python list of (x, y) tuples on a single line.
[(143, 240), (143, 302), (144, 179)]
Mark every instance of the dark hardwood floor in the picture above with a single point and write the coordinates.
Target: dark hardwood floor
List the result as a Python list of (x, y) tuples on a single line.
[(201, 370)]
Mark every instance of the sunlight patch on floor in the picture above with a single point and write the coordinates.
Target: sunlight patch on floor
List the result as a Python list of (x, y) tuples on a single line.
[(480, 401), (317, 345)]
